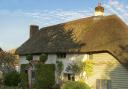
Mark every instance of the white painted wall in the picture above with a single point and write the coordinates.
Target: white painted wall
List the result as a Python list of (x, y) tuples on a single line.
[(23, 60), (36, 57), (51, 59)]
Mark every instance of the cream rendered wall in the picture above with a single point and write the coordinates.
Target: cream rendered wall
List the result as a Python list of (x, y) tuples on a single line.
[(107, 67)]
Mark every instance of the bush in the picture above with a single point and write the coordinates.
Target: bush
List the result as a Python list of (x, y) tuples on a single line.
[(75, 85), (12, 78), (29, 57), (56, 86), (24, 76), (43, 58), (45, 76)]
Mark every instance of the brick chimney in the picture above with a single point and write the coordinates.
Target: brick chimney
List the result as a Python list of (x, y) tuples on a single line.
[(33, 29)]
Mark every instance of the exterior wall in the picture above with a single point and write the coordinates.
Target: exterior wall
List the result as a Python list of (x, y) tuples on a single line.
[(36, 57), (51, 59), (23, 60), (107, 67), (73, 57)]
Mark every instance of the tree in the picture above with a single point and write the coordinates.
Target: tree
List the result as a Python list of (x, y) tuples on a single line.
[(7, 61), (1, 49)]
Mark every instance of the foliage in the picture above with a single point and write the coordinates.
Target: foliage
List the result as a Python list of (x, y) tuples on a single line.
[(7, 60), (88, 67), (74, 67), (1, 49), (29, 57), (12, 78), (43, 58), (8, 87), (60, 67), (81, 67), (56, 86), (24, 76), (45, 76), (75, 85)]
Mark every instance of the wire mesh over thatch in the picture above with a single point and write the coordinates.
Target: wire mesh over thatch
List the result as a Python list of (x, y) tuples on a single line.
[(92, 34)]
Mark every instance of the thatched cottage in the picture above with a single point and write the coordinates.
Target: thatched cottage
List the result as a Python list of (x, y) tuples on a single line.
[(103, 39)]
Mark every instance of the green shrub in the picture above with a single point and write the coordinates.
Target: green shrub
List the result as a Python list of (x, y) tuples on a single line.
[(29, 57), (75, 85), (43, 58), (12, 78), (45, 76), (24, 76), (56, 86)]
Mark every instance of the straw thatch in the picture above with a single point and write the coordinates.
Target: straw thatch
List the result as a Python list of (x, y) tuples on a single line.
[(92, 34)]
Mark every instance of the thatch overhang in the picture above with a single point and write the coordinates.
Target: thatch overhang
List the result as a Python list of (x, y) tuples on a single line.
[(92, 34)]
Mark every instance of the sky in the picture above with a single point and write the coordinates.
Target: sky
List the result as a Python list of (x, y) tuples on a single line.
[(16, 16)]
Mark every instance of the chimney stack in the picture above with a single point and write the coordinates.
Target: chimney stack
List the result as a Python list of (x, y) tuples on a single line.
[(33, 29), (99, 10)]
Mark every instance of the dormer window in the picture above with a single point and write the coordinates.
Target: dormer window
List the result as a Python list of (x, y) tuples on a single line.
[(61, 55)]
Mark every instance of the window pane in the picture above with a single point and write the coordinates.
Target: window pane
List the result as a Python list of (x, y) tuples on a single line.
[(109, 84), (103, 84), (98, 84), (61, 55)]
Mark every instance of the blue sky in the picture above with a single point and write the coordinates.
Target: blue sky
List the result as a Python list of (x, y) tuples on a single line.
[(17, 15)]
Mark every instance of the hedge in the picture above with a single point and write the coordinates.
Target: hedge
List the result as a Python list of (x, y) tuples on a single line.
[(45, 76), (12, 78), (24, 76)]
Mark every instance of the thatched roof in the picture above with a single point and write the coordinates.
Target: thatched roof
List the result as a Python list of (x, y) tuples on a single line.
[(92, 34)]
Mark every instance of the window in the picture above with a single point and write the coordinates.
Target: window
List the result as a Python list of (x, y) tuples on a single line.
[(68, 76), (61, 55), (71, 77), (103, 84)]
